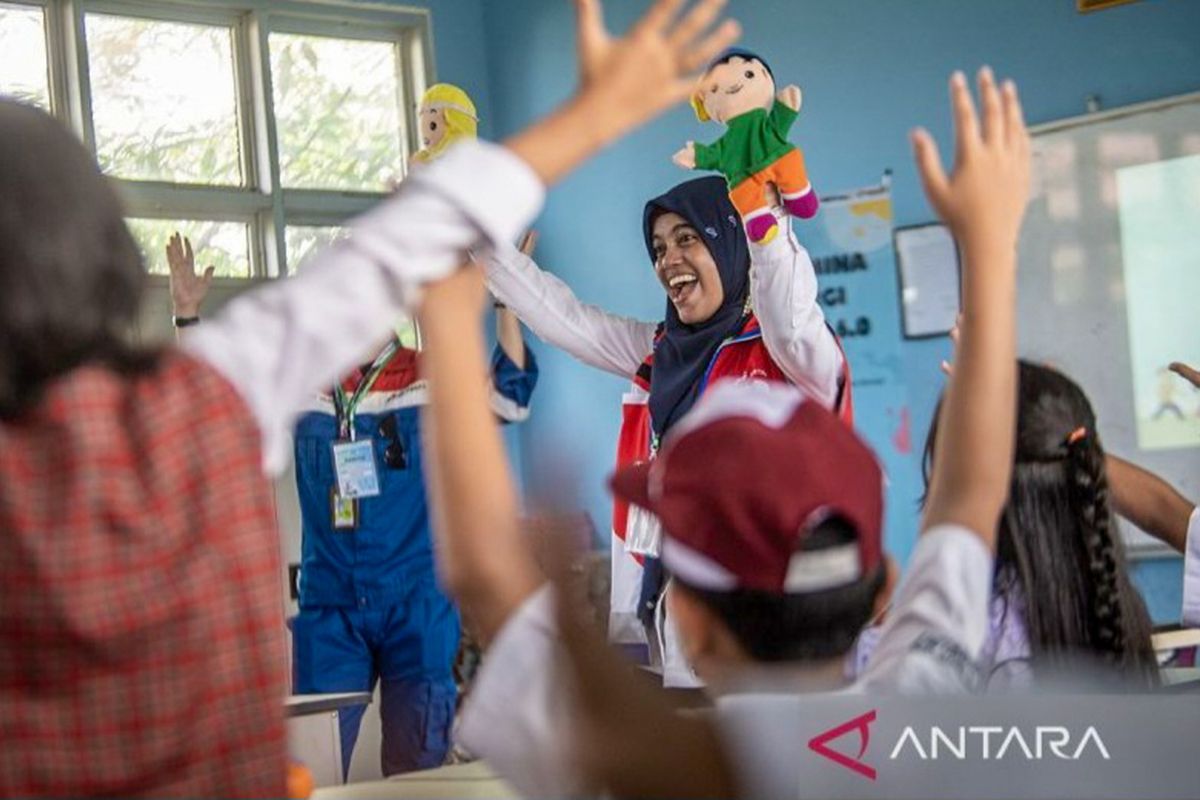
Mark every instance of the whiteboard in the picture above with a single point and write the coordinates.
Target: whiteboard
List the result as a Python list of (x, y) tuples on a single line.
[(1109, 277)]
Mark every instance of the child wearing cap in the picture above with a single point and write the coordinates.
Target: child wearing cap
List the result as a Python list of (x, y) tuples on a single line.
[(777, 570)]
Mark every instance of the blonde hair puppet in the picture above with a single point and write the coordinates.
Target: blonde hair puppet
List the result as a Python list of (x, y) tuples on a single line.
[(446, 116)]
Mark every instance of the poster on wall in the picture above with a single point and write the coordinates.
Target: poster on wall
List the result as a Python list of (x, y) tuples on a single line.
[(850, 241)]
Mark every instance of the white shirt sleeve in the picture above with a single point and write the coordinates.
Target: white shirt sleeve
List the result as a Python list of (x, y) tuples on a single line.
[(518, 714), (552, 311), (282, 343), (783, 291), (938, 622), (1191, 573)]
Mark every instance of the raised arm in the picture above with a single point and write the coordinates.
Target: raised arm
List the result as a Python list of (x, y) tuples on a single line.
[(939, 618), (482, 558), (982, 202), (552, 311), (279, 344), (783, 290), (1149, 502)]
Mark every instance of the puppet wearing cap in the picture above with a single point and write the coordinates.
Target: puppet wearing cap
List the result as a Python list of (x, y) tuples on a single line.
[(447, 115), (738, 90)]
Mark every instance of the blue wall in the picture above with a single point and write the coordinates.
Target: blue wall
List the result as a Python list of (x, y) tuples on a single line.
[(870, 69)]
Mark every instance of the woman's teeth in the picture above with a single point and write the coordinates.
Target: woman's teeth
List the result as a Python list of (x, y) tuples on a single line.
[(681, 285)]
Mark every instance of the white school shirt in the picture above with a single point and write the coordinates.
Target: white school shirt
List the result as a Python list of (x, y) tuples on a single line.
[(281, 344), (518, 715)]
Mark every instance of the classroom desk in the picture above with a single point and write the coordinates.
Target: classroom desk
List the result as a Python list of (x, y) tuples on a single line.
[(467, 781), (314, 737)]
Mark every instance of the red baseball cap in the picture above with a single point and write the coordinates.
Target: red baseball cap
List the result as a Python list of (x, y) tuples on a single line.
[(745, 476)]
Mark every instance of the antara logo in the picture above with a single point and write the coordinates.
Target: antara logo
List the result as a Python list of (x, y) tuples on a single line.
[(986, 742), (819, 744), (994, 743)]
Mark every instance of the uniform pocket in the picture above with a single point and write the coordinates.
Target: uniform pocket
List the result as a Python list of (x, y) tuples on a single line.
[(439, 714)]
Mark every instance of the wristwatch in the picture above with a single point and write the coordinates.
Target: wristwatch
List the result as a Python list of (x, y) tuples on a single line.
[(184, 322)]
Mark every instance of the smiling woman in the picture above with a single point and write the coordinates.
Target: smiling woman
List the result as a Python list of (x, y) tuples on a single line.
[(722, 319), (686, 269)]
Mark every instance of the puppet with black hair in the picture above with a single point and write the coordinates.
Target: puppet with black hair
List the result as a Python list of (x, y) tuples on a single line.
[(738, 90)]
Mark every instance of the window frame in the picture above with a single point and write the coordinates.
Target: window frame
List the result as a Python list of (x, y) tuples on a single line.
[(261, 202)]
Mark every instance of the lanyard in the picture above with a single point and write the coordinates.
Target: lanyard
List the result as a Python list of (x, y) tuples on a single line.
[(343, 407)]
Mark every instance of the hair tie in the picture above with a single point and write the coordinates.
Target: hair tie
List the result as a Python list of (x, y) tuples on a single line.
[(1076, 436)]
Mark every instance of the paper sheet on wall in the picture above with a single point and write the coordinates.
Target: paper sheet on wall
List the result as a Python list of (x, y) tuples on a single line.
[(928, 260)]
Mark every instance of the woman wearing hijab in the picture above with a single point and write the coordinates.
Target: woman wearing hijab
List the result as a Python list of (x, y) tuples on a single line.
[(723, 320)]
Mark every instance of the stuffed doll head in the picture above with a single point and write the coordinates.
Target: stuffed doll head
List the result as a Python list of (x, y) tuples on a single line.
[(446, 116), (736, 82)]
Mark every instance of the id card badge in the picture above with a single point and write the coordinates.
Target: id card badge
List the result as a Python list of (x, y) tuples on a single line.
[(344, 511), (354, 463)]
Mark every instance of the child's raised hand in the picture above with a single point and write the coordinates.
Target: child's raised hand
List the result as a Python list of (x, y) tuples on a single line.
[(686, 156), (984, 198), (625, 81), (653, 66)]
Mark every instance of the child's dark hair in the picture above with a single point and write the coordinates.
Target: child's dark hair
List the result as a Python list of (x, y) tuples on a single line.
[(798, 627), (1058, 541), (71, 276)]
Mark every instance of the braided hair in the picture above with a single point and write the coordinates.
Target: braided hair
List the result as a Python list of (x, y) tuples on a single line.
[(1058, 545)]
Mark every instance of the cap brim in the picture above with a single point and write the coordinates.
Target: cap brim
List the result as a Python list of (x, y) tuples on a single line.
[(632, 484)]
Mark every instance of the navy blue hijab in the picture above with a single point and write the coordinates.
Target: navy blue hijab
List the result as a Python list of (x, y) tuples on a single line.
[(682, 355)]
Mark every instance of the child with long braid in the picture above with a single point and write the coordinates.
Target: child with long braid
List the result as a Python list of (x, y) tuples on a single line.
[(1060, 561), (1062, 593)]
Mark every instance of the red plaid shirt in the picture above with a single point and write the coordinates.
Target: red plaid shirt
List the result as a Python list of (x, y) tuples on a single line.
[(141, 629)]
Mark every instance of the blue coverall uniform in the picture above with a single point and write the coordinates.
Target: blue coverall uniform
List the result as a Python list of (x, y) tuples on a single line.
[(370, 607)]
